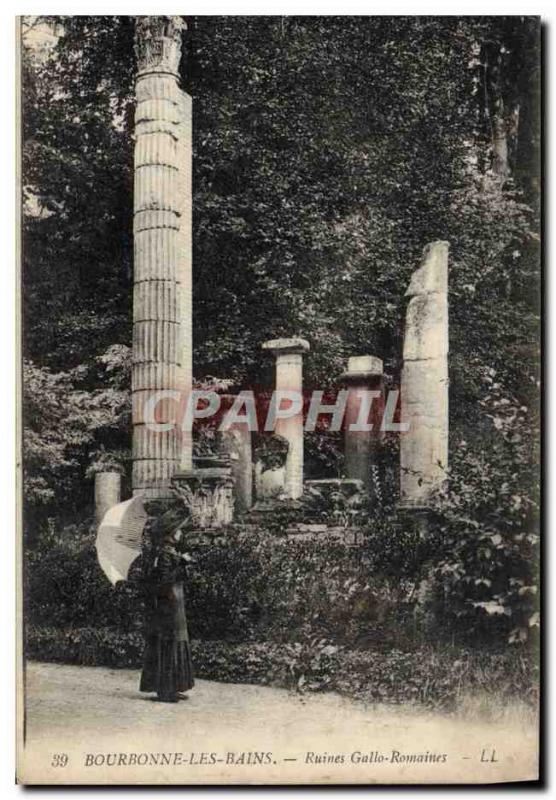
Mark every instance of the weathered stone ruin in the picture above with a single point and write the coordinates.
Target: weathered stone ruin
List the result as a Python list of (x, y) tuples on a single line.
[(289, 389), (251, 470), (363, 418), (107, 492), (162, 315), (424, 384), (234, 445)]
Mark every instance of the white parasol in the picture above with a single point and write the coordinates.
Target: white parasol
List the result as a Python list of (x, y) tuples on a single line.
[(119, 538)]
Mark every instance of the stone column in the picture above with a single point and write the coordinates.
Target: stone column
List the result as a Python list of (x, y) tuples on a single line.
[(364, 377), (289, 378), (162, 259), (424, 384), (107, 492), (235, 445), (185, 267)]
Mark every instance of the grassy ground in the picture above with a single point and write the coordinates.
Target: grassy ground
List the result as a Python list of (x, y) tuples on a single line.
[(437, 676)]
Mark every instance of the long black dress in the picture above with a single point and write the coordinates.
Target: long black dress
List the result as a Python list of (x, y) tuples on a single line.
[(167, 665)]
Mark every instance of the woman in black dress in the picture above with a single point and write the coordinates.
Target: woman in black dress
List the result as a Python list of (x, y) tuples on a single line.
[(167, 665)]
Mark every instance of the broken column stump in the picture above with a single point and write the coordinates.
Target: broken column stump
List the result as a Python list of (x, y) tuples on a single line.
[(424, 384)]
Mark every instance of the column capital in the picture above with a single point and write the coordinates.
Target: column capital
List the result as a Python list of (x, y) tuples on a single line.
[(158, 44), (284, 346), (361, 368)]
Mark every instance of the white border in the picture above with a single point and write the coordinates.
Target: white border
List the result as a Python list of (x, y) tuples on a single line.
[(7, 304)]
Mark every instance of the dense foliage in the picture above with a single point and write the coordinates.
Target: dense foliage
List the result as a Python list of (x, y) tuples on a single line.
[(310, 613), (254, 585), (327, 152)]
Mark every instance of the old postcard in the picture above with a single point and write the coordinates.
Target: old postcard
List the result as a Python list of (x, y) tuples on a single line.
[(280, 296)]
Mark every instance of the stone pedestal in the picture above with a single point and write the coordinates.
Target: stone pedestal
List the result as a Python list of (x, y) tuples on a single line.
[(269, 466), (208, 492), (234, 444), (363, 417), (269, 483), (289, 379), (107, 492), (162, 256), (424, 384)]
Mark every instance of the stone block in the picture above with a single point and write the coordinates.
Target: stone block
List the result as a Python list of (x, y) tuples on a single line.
[(363, 366), (107, 492), (285, 345)]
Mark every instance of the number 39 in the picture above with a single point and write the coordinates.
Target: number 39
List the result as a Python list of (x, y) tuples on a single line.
[(59, 760)]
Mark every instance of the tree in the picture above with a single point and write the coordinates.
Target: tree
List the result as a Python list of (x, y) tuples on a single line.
[(327, 152), (77, 181)]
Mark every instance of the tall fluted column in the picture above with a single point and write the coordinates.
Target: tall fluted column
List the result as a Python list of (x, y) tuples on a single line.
[(289, 379), (424, 385), (162, 252), (363, 416), (185, 261)]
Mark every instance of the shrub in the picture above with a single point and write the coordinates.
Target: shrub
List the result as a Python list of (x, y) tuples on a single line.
[(430, 676), (256, 585), (65, 586), (485, 571)]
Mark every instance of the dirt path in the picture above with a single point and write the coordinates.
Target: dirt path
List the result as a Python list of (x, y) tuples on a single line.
[(97, 718)]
